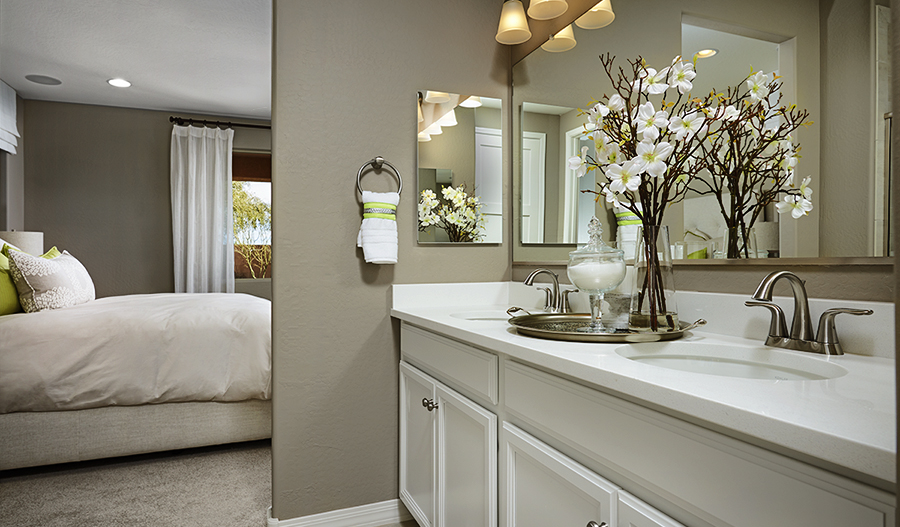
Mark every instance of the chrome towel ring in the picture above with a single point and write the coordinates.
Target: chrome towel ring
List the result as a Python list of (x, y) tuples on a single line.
[(377, 163)]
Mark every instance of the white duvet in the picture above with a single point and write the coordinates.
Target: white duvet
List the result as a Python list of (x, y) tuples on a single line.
[(137, 349)]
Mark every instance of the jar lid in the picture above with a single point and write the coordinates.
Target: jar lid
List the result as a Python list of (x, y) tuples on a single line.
[(596, 245)]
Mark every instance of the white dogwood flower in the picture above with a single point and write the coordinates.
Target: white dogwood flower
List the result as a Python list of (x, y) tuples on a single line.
[(623, 177), (651, 158), (649, 121), (756, 85), (577, 163), (687, 126), (681, 76), (797, 205)]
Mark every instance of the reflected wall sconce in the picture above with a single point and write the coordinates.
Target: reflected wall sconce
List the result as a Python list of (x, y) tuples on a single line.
[(513, 28), (562, 41), (448, 119), (473, 101), (601, 15), (437, 97)]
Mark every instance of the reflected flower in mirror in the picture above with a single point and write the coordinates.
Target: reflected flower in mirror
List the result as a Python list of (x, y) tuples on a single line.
[(456, 212)]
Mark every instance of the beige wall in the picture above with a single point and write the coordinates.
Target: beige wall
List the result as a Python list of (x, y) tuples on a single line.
[(335, 441), (97, 185)]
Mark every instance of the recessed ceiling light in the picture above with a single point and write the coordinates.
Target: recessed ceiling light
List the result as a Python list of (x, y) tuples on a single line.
[(706, 53), (119, 83), (43, 79)]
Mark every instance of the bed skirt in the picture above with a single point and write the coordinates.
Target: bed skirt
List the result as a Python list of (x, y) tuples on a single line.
[(30, 439)]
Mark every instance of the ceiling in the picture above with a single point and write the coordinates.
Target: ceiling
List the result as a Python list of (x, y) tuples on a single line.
[(190, 56)]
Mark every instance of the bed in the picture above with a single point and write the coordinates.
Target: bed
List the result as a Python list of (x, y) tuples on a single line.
[(133, 374)]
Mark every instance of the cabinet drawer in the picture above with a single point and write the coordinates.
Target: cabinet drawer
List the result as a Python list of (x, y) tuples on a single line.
[(459, 365), (717, 478)]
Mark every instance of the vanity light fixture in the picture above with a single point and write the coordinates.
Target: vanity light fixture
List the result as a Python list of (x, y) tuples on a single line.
[(562, 41), (473, 101), (706, 53), (546, 9), (601, 15), (513, 27), (423, 137), (119, 83), (434, 129), (437, 97)]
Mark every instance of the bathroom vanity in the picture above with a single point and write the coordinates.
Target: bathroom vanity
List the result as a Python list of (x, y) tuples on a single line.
[(498, 428)]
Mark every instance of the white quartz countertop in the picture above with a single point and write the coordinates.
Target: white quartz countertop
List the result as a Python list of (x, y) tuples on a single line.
[(846, 424)]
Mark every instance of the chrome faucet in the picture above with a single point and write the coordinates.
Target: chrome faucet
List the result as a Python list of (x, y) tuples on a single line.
[(801, 336), (554, 300)]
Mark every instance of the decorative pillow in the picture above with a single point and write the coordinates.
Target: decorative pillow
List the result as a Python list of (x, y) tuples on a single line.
[(9, 295), (50, 283)]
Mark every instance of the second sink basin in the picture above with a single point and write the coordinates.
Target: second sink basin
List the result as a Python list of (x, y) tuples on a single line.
[(759, 362)]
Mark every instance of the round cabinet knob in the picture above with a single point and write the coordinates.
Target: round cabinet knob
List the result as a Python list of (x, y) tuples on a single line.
[(429, 404)]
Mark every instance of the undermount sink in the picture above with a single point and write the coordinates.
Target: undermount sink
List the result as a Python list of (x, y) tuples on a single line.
[(759, 362), (487, 314)]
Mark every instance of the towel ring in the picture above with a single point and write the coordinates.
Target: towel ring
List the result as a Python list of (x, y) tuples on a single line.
[(377, 163)]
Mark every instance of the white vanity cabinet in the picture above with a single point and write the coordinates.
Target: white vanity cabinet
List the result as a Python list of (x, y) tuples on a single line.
[(636, 466), (448, 454)]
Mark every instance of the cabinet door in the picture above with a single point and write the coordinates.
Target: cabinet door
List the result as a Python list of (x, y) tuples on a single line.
[(544, 488), (417, 446), (632, 512), (467, 462)]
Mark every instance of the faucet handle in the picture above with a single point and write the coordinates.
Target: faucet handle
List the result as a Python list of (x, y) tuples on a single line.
[(548, 298), (827, 332), (777, 326), (566, 307)]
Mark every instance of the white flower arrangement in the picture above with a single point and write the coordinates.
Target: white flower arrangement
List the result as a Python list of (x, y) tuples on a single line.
[(652, 152), (457, 213)]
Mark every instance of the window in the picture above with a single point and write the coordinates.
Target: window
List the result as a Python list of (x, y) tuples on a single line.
[(251, 188)]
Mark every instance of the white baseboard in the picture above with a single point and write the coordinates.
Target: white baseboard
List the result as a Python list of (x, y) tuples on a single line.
[(371, 515)]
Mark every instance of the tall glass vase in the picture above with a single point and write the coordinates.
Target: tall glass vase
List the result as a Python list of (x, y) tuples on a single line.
[(653, 306), (739, 242)]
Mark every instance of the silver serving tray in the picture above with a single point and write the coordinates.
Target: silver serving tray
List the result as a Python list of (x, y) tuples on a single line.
[(563, 326)]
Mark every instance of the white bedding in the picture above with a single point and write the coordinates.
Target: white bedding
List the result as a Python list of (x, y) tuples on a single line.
[(137, 349)]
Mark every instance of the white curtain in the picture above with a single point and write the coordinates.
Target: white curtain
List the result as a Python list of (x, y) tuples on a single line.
[(201, 209), (8, 130)]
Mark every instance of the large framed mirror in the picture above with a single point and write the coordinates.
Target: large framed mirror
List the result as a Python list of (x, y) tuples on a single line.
[(460, 168), (833, 61)]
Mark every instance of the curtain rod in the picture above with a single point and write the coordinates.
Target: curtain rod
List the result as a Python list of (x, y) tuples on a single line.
[(181, 121)]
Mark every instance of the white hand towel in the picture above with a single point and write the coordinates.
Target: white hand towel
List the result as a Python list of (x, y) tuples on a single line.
[(378, 232)]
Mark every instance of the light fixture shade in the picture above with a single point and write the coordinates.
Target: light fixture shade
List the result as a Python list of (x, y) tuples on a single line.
[(28, 241), (513, 28), (601, 15), (546, 9), (434, 129), (473, 101), (448, 119), (424, 137), (562, 41), (437, 97)]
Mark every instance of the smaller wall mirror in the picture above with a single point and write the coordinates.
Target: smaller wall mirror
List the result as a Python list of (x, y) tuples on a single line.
[(460, 168)]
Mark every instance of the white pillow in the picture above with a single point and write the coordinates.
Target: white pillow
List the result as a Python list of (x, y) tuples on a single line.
[(50, 284), (2, 242)]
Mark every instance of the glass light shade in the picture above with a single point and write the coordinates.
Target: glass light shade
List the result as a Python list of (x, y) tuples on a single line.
[(562, 41), (448, 119), (601, 15), (513, 28), (546, 9), (437, 97), (424, 137), (472, 102), (434, 129)]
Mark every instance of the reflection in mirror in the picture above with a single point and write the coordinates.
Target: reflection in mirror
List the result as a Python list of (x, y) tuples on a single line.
[(832, 59), (460, 168)]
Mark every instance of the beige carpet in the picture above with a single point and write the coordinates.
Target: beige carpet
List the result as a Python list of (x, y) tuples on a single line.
[(226, 486)]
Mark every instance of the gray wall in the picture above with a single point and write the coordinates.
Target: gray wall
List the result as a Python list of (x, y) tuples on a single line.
[(336, 349), (97, 185)]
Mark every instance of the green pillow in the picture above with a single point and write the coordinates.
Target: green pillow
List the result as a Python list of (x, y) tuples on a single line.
[(9, 295)]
